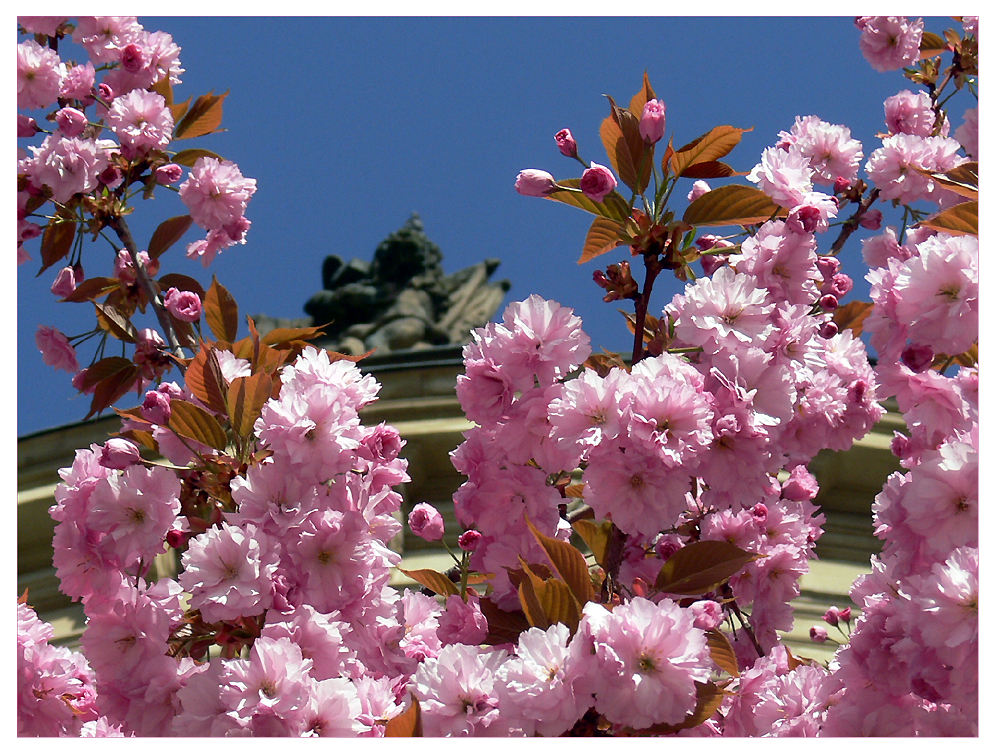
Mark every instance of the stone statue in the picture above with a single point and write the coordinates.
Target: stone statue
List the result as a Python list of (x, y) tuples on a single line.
[(401, 299)]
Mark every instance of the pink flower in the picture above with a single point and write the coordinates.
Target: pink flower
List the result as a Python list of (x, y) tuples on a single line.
[(78, 83), (891, 42), (545, 340), (168, 174), (535, 183), (698, 189), (66, 282), (67, 165), (56, 350), (831, 151), (597, 182), (968, 133), (459, 691), (462, 622), (469, 540), (653, 122), (910, 113), (48, 25), (184, 306), (216, 193), (785, 176), (142, 121), (71, 122), (119, 453), (566, 143), (228, 572), (26, 127), (426, 522), (893, 168), (273, 681), (104, 36), (818, 634), (39, 75)]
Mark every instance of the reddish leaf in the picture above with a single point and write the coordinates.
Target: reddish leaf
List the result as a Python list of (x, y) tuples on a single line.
[(851, 317), (711, 146), (181, 282), (168, 233), (91, 289), (57, 240), (112, 388), (710, 170), (112, 321), (221, 312), (164, 89), (548, 602), (246, 398), (963, 179), (596, 537), (204, 117), (142, 438), (188, 157), (701, 567), (280, 336), (190, 421), (102, 369), (957, 220), (532, 608), (628, 154), (645, 94), (602, 237), (179, 110), (204, 379), (504, 627), (437, 582), (722, 652), (732, 204), (931, 45), (568, 563), (406, 724)]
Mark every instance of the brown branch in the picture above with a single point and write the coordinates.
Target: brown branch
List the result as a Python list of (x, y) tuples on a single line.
[(852, 224)]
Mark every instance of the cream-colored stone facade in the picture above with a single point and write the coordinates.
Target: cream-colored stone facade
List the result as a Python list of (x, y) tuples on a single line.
[(418, 398)]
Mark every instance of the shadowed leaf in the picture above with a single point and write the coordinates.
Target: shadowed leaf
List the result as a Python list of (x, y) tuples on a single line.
[(851, 317), (548, 602), (188, 157), (246, 398), (722, 652), (57, 240), (957, 220), (504, 627), (102, 369), (732, 204), (709, 147), (92, 288), (437, 582), (204, 379), (168, 233), (931, 45), (645, 94), (115, 323), (182, 282), (568, 563), (221, 312), (190, 421), (596, 537), (112, 388), (628, 154), (612, 207), (280, 336), (701, 567), (602, 237), (710, 170), (204, 117), (142, 438)]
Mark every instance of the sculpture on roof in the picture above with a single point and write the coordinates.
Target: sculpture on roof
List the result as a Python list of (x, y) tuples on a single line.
[(401, 299)]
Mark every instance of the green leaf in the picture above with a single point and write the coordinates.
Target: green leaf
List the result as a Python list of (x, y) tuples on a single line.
[(732, 204), (711, 146), (188, 157), (568, 563), (406, 724), (204, 117), (602, 237), (246, 399), (168, 233), (221, 312), (112, 321), (701, 567), (957, 220), (57, 240), (437, 582), (722, 652), (190, 421), (204, 379), (612, 207)]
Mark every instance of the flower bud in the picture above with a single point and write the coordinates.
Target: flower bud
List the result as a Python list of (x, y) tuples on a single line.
[(26, 126), (804, 219), (132, 58), (118, 453), (666, 546), (77, 382), (871, 219), (712, 263), (828, 330), (106, 93), (175, 538), (841, 185), (168, 174), (566, 143), (156, 407), (72, 122), (800, 485), (185, 306), (535, 183), (111, 177), (828, 303), (653, 123), (845, 614), (917, 357), (597, 182), (831, 616), (818, 634), (828, 265), (469, 540), (65, 283), (426, 522), (900, 446)]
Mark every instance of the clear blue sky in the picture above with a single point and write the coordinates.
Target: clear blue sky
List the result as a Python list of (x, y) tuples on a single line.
[(349, 125)]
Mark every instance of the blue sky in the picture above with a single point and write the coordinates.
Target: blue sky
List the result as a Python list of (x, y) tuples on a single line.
[(351, 124)]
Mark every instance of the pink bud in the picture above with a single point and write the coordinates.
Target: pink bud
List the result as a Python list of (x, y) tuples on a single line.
[(156, 407), (26, 126), (804, 219), (597, 182), (900, 446), (168, 174), (819, 634), (175, 538), (426, 522), (800, 485), (653, 122), (841, 184), (77, 382), (65, 283), (640, 587), (917, 357), (535, 183), (711, 263), (839, 285), (699, 188), (831, 616), (133, 59), (828, 303), (106, 93), (118, 453), (828, 330), (871, 219), (469, 540), (845, 614), (184, 306), (828, 265), (566, 143), (111, 176), (665, 547), (72, 122)]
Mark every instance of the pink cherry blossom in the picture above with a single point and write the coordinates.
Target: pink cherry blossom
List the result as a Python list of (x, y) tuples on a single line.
[(911, 113), (831, 151), (462, 622), (597, 182), (968, 133), (216, 193), (535, 183), (67, 165), (426, 522), (142, 121), (566, 143), (891, 42), (459, 691), (652, 123), (104, 36), (39, 75), (56, 350), (785, 176), (184, 306)]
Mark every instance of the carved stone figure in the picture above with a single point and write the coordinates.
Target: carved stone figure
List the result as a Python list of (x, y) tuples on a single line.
[(401, 299)]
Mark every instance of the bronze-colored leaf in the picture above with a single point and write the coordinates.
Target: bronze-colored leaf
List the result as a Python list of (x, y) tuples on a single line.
[(504, 627), (190, 421), (931, 45), (596, 537), (188, 157), (279, 336), (957, 220), (602, 237), (567, 562), (112, 321), (437, 582), (167, 234), (408, 723), (701, 567), (57, 240), (246, 399), (963, 179), (204, 379), (221, 312), (112, 388), (102, 369), (532, 608), (732, 204), (91, 289), (851, 317), (548, 602), (574, 490), (142, 438), (613, 206), (164, 89), (628, 154), (645, 94), (711, 170), (204, 117), (182, 282), (722, 652), (668, 154), (709, 147), (179, 110)]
